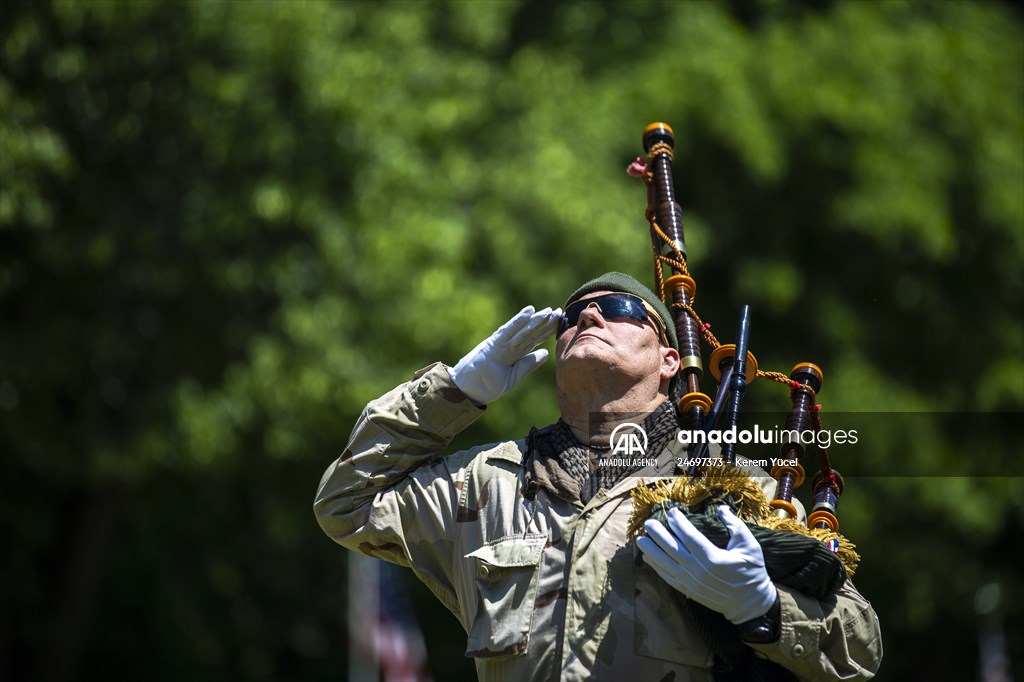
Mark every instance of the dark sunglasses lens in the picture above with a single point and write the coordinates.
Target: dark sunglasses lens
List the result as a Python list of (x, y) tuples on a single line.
[(611, 306), (617, 305)]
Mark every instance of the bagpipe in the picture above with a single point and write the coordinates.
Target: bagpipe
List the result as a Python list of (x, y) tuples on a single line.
[(813, 557)]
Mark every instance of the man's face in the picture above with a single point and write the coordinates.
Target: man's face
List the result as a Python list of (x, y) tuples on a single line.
[(621, 346)]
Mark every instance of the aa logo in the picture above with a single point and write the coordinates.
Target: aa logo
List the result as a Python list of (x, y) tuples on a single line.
[(629, 440)]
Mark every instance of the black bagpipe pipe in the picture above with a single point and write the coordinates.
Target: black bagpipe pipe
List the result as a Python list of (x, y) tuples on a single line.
[(812, 558), (732, 364)]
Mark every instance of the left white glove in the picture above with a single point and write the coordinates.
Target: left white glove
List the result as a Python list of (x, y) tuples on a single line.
[(732, 581)]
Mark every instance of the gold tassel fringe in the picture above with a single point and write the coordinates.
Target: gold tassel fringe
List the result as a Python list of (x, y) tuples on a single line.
[(753, 506)]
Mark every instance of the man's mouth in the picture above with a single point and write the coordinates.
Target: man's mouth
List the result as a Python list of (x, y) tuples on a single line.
[(584, 335)]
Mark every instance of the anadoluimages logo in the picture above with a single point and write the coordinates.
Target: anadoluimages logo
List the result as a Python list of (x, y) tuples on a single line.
[(628, 440)]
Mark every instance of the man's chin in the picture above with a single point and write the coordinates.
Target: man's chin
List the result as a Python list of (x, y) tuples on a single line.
[(590, 351), (586, 344)]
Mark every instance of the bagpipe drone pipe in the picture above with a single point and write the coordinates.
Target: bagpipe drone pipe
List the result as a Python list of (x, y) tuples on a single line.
[(810, 557)]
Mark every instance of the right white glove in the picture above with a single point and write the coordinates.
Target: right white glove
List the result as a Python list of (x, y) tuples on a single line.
[(500, 361), (732, 581)]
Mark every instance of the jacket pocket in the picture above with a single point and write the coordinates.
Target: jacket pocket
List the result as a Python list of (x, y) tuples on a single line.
[(662, 629), (506, 575)]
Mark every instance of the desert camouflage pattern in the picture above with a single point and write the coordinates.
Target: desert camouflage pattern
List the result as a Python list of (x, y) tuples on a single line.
[(545, 587)]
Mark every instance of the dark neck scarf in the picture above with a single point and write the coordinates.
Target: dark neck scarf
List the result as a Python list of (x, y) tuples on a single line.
[(567, 468)]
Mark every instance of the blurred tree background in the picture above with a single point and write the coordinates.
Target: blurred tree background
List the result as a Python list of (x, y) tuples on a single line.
[(226, 226)]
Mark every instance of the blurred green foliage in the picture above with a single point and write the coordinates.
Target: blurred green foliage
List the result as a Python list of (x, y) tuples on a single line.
[(226, 226)]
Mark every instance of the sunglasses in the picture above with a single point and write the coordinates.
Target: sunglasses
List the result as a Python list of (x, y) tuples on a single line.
[(612, 306)]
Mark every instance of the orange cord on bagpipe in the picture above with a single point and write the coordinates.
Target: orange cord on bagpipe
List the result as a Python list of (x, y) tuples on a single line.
[(679, 292)]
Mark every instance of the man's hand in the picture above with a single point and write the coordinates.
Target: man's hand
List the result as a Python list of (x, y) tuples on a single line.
[(498, 362), (732, 581)]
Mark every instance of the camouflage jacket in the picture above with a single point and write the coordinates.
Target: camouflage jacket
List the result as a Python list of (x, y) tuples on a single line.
[(546, 588)]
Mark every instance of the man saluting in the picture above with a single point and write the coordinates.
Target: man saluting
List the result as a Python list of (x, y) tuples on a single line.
[(525, 540)]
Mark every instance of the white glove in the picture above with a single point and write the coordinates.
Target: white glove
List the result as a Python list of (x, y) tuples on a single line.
[(732, 581), (498, 362)]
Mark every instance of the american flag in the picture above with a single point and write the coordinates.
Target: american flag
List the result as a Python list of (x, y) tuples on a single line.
[(385, 642)]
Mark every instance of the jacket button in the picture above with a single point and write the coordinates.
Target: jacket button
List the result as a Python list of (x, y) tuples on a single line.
[(798, 650), (423, 386)]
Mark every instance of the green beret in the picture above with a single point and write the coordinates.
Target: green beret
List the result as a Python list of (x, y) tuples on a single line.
[(617, 281)]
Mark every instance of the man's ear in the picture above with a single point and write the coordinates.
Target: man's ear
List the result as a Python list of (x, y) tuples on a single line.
[(669, 363)]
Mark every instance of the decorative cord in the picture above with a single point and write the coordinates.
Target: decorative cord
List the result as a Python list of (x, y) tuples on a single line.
[(640, 168)]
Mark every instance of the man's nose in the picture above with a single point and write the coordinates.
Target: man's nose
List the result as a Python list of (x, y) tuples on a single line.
[(591, 317)]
